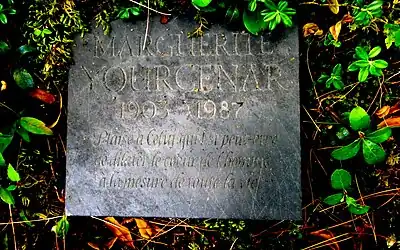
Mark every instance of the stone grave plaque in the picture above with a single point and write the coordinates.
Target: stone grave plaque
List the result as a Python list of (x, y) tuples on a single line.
[(201, 128)]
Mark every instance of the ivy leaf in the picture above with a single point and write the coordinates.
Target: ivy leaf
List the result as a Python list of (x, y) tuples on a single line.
[(373, 153), (12, 174), (375, 51), (340, 179), (333, 199), (23, 78), (6, 196), (359, 119), (380, 135), (254, 23), (347, 152), (201, 3), (358, 209), (35, 126)]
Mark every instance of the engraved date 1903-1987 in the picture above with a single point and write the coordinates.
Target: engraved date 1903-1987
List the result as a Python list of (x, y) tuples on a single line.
[(200, 109)]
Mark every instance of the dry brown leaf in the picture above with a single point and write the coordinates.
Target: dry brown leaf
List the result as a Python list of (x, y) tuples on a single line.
[(111, 243), (94, 246), (334, 6), (384, 111), (312, 29), (335, 30), (390, 122), (327, 235), (347, 19), (395, 108), (145, 230), (121, 232)]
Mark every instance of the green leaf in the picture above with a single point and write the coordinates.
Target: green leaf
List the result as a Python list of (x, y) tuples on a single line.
[(12, 12), (25, 49), (62, 227), (375, 71), (380, 64), (270, 5), (201, 3), (46, 32), (3, 47), (6, 196), (290, 11), (3, 18), (340, 179), (363, 74), (287, 21), (375, 51), (23, 133), (342, 133), (373, 153), (25, 219), (123, 14), (282, 5), (11, 188), (23, 78), (2, 161), (334, 199), (12, 173), (361, 53), (374, 5), (337, 70), (35, 126), (37, 32), (135, 11), (362, 63), (1, 6), (359, 119), (5, 140), (338, 84), (380, 135), (232, 14), (269, 16), (252, 5), (272, 24), (347, 152), (358, 209), (253, 21), (323, 78), (353, 67)]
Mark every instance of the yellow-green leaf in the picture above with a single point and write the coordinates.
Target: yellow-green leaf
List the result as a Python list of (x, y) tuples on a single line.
[(6, 196), (35, 126), (12, 173)]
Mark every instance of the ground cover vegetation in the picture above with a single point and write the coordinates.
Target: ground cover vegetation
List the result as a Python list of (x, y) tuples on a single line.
[(350, 64)]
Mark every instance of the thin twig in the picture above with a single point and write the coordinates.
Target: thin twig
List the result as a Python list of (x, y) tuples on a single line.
[(312, 119), (12, 226), (156, 11), (25, 221), (147, 25)]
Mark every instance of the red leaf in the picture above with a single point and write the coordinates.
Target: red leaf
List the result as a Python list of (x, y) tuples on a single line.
[(43, 96), (164, 19)]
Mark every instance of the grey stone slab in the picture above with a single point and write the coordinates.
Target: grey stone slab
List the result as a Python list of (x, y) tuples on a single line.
[(199, 128)]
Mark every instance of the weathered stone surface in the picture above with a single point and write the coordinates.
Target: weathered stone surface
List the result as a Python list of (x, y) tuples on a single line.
[(206, 127)]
